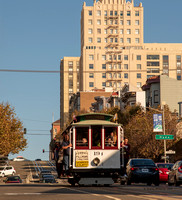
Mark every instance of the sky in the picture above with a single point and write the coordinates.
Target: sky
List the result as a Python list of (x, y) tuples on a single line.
[(36, 35)]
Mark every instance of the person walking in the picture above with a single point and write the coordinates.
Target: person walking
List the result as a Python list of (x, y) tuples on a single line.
[(58, 157)]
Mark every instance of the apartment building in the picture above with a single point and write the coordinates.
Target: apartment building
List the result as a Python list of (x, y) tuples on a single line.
[(113, 52), (69, 84)]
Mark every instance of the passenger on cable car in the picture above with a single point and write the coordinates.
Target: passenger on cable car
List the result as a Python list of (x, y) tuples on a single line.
[(84, 142), (109, 143)]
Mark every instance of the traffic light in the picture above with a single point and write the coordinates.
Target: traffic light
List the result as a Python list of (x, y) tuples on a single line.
[(25, 130), (43, 150)]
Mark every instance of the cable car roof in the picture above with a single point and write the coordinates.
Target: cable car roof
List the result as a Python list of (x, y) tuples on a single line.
[(95, 122), (93, 116)]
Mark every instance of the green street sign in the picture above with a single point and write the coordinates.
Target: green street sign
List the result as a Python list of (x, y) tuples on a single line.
[(164, 137)]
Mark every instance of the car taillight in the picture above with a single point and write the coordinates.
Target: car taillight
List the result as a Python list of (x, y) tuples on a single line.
[(134, 168), (180, 169)]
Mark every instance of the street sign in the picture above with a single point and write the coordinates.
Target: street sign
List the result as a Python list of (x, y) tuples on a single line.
[(164, 157), (164, 137), (170, 152)]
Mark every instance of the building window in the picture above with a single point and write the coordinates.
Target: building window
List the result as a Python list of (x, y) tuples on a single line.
[(110, 57), (115, 21), (139, 75), (105, 40), (128, 22), (98, 12), (111, 13), (91, 84), (119, 57), (138, 57), (166, 61), (136, 22), (90, 31), (91, 75), (137, 13), (111, 40), (121, 40), (121, 31), (119, 75), (105, 12), (91, 57), (115, 13), (103, 66), (90, 21), (103, 84), (103, 57), (125, 57), (116, 31), (149, 63), (119, 66), (111, 31), (128, 40), (139, 84), (103, 75), (139, 66), (121, 13), (116, 40), (125, 66), (105, 22), (91, 66), (156, 96), (99, 22), (152, 57), (128, 31), (98, 31), (90, 13), (137, 40), (128, 13), (121, 22), (90, 40), (125, 75), (137, 31), (105, 31), (98, 40)]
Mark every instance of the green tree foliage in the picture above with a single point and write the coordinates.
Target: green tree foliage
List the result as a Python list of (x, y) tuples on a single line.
[(11, 131)]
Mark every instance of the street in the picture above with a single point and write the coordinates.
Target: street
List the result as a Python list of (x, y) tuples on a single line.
[(66, 192)]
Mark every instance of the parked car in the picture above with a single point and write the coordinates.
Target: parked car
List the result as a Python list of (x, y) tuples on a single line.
[(7, 170), (175, 175), (19, 158), (164, 169), (13, 179), (140, 170)]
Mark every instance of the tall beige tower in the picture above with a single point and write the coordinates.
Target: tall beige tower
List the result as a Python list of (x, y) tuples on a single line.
[(109, 29)]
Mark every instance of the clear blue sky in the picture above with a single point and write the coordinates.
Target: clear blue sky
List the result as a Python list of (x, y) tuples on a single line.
[(36, 34)]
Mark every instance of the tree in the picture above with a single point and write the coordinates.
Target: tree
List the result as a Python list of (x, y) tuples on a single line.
[(11, 131), (139, 131)]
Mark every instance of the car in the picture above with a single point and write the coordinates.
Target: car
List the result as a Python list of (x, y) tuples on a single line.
[(175, 175), (7, 170), (164, 169), (47, 178), (13, 179), (141, 170), (19, 158)]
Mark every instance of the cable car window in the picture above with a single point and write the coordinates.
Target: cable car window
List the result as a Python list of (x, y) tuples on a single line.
[(111, 137), (97, 137), (82, 137)]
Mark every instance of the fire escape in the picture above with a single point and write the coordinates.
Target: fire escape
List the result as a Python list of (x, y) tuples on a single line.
[(113, 72)]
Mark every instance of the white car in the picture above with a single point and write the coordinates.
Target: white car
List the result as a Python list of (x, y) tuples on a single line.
[(19, 158), (7, 170)]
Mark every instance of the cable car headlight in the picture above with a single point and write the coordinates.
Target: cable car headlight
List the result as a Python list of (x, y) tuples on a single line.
[(96, 161)]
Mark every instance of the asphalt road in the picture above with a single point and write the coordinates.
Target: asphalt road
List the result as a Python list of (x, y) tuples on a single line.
[(115, 192)]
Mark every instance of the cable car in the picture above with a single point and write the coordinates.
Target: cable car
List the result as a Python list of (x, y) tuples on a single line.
[(95, 154)]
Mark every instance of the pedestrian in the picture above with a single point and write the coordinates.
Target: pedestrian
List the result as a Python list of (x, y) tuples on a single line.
[(126, 149), (58, 156), (66, 153)]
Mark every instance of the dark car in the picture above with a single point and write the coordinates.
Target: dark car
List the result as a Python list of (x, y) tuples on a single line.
[(47, 178), (175, 175), (164, 169), (140, 170), (13, 179)]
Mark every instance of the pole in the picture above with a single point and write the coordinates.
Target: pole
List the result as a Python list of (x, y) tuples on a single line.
[(164, 131)]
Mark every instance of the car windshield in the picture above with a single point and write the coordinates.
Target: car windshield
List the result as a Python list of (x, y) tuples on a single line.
[(165, 165), (142, 162), (48, 176)]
